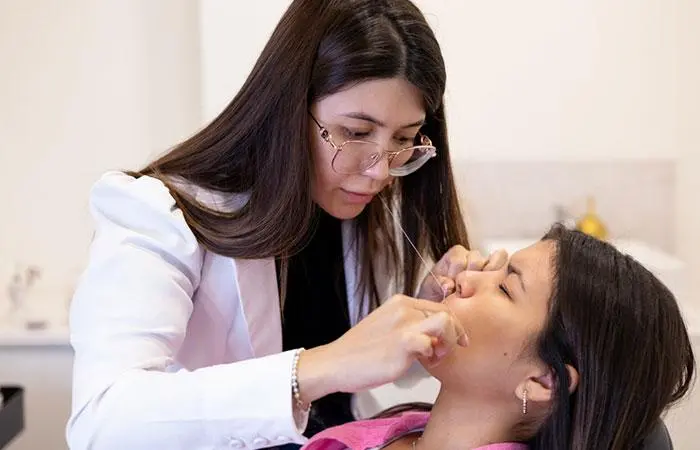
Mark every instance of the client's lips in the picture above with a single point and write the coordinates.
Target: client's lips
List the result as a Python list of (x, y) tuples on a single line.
[(358, 197)]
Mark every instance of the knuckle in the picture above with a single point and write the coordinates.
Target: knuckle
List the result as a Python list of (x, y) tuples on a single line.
[(406, 339), (404, 311), (443, 318), (401, 315), (476, 255), (396, 299), (456, 251)]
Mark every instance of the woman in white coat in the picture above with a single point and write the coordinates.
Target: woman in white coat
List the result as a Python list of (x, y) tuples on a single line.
[(271, 230)]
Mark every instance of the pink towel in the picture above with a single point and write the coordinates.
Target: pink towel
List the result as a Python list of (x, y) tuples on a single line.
[(367, 434)]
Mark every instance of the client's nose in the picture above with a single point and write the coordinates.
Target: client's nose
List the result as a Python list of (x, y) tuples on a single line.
[(469, 282)]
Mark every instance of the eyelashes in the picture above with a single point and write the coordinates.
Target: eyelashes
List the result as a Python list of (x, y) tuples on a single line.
[(350, 134), (504, 290), (360, 135)]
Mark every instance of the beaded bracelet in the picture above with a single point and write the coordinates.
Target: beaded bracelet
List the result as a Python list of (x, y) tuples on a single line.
[(295, 383)]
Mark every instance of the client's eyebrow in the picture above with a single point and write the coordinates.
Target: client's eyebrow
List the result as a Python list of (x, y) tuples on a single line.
[(518, 272), (368, 118)]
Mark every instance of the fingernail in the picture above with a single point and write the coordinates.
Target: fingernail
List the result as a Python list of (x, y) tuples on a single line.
[(441, 353)]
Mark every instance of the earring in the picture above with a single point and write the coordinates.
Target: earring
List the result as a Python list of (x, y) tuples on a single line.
[(524, 401)]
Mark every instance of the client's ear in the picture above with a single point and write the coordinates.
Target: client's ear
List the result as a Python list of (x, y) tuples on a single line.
[(540, 386)]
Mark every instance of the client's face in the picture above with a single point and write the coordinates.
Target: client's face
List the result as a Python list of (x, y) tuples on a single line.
[(503, 313)]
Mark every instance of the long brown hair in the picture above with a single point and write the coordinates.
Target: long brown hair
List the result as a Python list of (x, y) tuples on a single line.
[(621, 328), (260, 144)]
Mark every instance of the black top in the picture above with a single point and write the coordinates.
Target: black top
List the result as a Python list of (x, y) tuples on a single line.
[(316, 310)]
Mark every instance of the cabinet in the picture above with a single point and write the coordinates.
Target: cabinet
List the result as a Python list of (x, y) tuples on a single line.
[(42, 363)]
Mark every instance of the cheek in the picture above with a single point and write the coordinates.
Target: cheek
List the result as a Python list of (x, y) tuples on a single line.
[(326, 186), (498, 338), (324, 177), (489, 364), (388, 182), (498, 332)]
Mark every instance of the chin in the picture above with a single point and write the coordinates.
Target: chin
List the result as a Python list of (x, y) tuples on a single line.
[(443, 369), (345, 212), (434, 370)]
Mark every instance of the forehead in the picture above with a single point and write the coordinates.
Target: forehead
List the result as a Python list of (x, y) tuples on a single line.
[(536, 263), (393, 101)]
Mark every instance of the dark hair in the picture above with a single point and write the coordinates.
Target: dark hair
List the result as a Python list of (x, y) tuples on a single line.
[(621, 328), (260, 143)]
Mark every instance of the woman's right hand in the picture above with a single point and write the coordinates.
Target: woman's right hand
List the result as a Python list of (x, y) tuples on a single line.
[(380, 348)]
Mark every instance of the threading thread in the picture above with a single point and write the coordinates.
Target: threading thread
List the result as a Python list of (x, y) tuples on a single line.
[(397, 222)]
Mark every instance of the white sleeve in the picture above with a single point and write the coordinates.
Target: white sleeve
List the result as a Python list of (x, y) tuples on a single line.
[(128, 320)]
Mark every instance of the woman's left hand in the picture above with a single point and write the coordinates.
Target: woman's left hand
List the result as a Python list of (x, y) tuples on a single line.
[(456, 260)]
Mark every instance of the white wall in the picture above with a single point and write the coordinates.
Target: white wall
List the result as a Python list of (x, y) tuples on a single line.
[(90, 86), (86, 86), (232, 36), (688, 94), (543, 79)]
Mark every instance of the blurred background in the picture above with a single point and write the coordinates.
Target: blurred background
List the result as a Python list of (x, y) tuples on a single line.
[(556, 109)]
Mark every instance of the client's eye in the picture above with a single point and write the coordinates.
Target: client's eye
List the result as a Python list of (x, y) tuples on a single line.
[(504, 290), (355, 134)]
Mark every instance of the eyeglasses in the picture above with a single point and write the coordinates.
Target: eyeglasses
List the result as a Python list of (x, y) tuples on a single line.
[(354, 156)]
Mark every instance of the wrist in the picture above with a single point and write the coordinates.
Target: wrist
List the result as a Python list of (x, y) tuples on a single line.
[(315, 374)]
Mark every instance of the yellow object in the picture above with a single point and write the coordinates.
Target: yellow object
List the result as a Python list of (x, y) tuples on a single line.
[(591, 224)]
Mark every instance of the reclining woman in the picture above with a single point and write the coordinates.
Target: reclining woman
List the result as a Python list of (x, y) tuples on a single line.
[(572, 345)]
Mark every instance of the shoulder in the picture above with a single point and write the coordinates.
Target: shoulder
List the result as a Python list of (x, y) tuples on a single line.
[(119, 186), (115, 190), (145, 205), (365, 434), (133, 216)]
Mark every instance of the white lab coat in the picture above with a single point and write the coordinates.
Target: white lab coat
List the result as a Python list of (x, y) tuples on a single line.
[(177, 347)]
